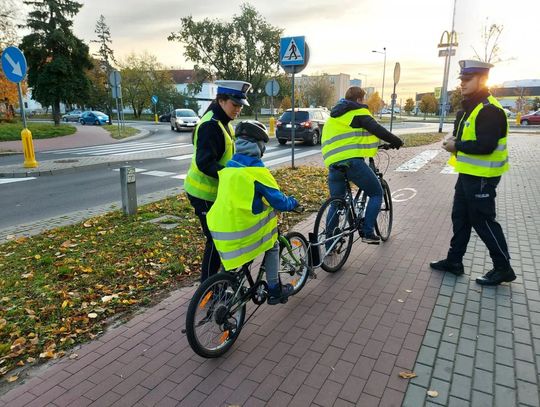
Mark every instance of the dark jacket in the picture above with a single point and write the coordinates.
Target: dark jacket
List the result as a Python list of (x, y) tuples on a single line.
[(365, 122), (210, 142), (490, 125)]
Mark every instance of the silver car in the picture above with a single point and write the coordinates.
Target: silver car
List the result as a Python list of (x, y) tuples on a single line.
[(72, 116), (183, 119)]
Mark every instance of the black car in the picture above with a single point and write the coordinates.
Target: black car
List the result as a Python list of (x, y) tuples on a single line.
[(308, 125), (165, 118)]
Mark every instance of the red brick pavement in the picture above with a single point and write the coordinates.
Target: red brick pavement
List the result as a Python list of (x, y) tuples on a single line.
[(83, 137), (340, 342)]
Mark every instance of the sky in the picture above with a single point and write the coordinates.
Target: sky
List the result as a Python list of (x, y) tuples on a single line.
[(342, 34)]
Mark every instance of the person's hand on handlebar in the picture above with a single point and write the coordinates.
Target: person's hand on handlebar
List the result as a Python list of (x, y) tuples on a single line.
[(299, 209)]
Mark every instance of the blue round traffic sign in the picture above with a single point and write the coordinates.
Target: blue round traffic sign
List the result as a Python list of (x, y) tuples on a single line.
[(154, 99), (14, 64)]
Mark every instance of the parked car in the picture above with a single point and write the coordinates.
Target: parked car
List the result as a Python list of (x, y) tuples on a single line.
[(183, 119), (72, 116), (308, 125), (94, 117), (509, 113), (164, 118), (532, 118)]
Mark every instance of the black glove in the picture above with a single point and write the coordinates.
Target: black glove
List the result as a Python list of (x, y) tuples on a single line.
[(397, 144)]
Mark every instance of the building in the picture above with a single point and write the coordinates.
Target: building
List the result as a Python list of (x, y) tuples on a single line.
[(340, 82), (510, 92), (183, 77)]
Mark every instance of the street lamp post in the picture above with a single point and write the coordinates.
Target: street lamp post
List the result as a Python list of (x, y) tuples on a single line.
[(383, 72)]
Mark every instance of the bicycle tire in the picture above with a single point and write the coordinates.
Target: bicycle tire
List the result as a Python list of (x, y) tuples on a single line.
[(335, 261), (383, 223), (294, 270), (218, 293)]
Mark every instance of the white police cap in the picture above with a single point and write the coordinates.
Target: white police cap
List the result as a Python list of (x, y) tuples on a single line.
[(236, 90), (471, 67)]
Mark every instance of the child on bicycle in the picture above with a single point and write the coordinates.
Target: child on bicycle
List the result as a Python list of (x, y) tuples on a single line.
[(350, 135), (242, 220)]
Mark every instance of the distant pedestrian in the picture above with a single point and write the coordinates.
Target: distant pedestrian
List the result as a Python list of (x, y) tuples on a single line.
[(480, 156), (213, 144)]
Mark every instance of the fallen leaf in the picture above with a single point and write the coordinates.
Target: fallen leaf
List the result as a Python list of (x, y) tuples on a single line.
[(87, 224), (407, 375), (3, 323), (450, 334), (92, 315), (432, 393), (37, 257), (11, 379), (408, 291), (73, 356), (30, 360), (400, 300)]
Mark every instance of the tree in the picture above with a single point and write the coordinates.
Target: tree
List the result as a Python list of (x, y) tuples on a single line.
[(247, 48), (428, 104), (536, 103), (57, 59), (490, 43), (142, 77), (455, 99), (374, 103), (320, 91), (409, 106), (8, 36)]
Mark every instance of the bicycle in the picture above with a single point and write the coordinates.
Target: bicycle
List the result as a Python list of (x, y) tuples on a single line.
[(216, 313), (345, 216)]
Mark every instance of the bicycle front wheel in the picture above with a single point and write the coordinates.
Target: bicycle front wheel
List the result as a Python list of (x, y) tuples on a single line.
[(211, 327), (383, 224), (294, 262), (334, 227)]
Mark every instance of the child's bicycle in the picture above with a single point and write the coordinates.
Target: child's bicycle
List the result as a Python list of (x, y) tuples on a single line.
[(339, 218), (217, 311)]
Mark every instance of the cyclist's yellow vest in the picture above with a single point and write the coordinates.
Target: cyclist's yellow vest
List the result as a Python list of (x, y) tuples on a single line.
[(197, 183), (239, 235), (340, 141), (481, 165)]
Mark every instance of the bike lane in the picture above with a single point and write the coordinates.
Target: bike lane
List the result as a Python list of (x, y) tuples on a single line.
[(344, 339)]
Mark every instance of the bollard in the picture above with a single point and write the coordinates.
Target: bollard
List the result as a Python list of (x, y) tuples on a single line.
[(272, 126), (518, 118), (28, 149), (129, 191)]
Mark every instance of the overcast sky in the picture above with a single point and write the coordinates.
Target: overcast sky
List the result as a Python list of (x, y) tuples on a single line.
[(342, 34)]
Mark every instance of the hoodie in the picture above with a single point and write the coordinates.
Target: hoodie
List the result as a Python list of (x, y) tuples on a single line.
[(248, 154), (364, 121)]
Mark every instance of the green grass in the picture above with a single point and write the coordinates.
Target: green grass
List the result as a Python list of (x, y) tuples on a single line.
[(124, 132), (420, 139), (12, 131)]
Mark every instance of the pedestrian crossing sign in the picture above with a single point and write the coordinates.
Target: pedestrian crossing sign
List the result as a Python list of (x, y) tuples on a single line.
[(292, 51)]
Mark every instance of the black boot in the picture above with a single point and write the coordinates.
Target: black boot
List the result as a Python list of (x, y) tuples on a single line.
[(445, 265), (497, 276)]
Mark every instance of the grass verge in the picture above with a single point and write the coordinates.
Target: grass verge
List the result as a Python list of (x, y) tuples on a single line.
[(420, 139), (64, 286), (126, 131), (12, 131)]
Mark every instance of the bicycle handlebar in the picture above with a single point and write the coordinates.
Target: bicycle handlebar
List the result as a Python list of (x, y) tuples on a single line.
[(385, 147), (299, 209)]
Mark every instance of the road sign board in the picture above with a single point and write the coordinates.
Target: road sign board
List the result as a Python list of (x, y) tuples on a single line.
[(272, 87), (154, 99), (117, 92), (114, 78), (292, 51), (14, 64), (444, 52), (397, 72)]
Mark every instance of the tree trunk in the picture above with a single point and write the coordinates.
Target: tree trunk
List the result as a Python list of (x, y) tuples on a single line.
[(56, 112)]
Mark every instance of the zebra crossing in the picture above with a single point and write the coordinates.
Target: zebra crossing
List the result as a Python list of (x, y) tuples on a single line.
[(118, 149)]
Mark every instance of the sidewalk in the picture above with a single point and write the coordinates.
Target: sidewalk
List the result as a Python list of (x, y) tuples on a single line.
[(343, 340)]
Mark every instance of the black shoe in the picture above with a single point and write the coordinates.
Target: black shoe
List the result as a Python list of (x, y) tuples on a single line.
[(280, 295), (497, 276), (445, 265), (371, 239)]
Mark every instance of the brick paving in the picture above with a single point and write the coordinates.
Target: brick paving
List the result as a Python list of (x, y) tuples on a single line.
[(345, 337)]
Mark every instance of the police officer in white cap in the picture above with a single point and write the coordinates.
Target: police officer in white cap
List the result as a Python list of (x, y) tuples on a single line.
[(213, 143), (480, 156)]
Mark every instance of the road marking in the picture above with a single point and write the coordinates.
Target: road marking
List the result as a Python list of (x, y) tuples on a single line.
[(448, 169), (288, 158), (418, 162), (10, 180), (181, 176), (159, 173), (403, 194), (180, 157), (118, 149)]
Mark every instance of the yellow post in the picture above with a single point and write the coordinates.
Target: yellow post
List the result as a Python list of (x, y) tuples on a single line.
[(272, 125), (28, 149), (155, 117), (518, 118)]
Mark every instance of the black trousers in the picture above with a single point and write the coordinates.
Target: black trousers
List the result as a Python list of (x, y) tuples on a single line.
[(211, 262), (474, 207)]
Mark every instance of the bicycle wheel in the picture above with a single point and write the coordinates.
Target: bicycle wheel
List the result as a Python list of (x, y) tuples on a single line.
[(211, 328), (383, 224), (334, 226), (294, 261)]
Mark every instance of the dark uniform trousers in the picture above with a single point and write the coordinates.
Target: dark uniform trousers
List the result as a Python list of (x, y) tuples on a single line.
[(211, 262), (474, 207)]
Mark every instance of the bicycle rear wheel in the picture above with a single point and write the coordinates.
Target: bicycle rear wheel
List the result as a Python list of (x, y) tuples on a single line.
[(294, 261), (334, 225), (383, 224), (211, 328)]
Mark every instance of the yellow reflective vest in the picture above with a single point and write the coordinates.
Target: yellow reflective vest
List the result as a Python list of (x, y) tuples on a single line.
[(197, 183), (481, 165), (239, 235), (340, 141)]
